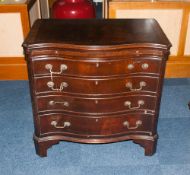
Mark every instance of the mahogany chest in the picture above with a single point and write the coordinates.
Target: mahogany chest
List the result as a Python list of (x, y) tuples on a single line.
[(96, 81)]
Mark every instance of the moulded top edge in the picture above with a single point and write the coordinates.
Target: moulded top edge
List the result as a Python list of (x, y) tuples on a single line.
[(96, 47)]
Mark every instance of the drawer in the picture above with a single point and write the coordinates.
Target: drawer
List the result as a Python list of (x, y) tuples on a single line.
[(97, 52), (96, 106), (61, 66), (107, 86), (107, 125)]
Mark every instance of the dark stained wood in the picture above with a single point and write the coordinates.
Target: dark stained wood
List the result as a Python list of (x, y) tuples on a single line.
[(96, 86), (104, 125), (118, 104), (42, 146), (149, 145), (83, 68), (98, 32), (96, 81)]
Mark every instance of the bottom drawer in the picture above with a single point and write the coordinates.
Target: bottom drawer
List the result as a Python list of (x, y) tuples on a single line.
[(97, 126)]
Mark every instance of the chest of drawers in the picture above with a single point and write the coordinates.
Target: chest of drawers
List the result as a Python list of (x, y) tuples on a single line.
[(96, 81)]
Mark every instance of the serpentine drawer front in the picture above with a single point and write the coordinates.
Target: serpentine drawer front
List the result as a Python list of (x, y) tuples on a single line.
[(96, 126), (95, 86), (96, 105), (118, 66), (101, 87)]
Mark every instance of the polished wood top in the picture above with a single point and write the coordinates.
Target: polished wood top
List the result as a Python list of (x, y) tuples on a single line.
[(97, 32)]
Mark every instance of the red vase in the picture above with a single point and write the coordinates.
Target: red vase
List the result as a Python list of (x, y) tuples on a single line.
[(73, 9)]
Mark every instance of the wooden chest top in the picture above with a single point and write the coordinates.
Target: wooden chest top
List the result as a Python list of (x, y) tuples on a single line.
[(97, 32)]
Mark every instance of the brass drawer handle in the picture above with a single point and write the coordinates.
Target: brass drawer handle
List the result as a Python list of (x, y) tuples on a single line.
[(65, 124), (49, 67), (65, 103), (130, 66), (130, 86), (138, 123), (128, 103), (51, 84), (145, 66)]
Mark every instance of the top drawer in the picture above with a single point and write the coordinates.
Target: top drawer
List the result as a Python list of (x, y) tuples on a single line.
[(95, 52), (95, 67)]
